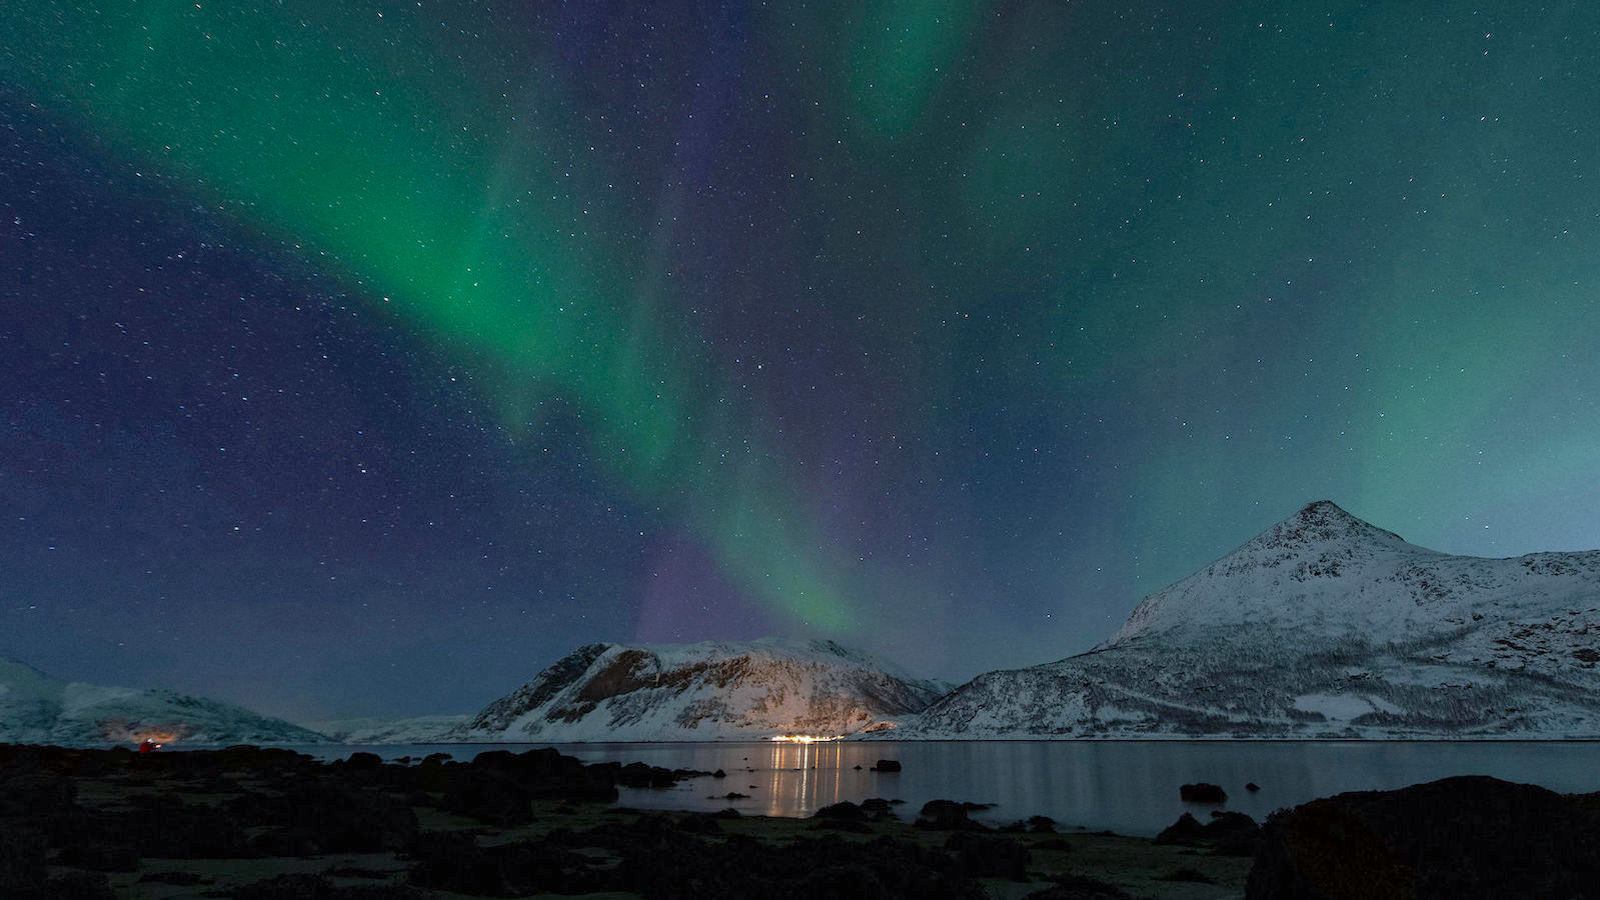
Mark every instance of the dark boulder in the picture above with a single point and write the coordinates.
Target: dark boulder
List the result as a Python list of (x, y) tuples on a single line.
[(980, 856), (489, 797), (877, 808), (948, 815), (329, 817), (639, 775), (363, 760), (1251, 786), (1465, 837), (1202, 792), (845, 811), (1228, 833), (1233, 834), (887, 765), (166, 827), (1187, 830)]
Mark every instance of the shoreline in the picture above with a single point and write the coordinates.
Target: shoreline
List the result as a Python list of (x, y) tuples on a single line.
[(269, 822), (273, 824)]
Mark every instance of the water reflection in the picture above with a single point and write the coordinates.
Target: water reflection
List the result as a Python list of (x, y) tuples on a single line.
[(1125, 786), (803, 776)]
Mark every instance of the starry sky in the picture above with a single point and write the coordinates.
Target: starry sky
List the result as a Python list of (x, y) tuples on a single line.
[(363, 357)]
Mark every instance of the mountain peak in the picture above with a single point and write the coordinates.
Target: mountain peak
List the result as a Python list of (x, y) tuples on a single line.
[(1321, 522), (1319, 543)]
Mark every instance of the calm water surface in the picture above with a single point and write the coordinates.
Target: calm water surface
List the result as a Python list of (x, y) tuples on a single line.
[(1126, 786)]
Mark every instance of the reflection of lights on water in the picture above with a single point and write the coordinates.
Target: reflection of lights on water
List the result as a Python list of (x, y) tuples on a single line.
[(807, 775)]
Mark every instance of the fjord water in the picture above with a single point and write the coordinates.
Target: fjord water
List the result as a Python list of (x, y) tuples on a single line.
[(1130, 787)]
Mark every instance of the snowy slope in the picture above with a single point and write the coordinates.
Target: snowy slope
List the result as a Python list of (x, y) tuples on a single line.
[(1322, 626), (35, 708), (415, 730), (704, 692)]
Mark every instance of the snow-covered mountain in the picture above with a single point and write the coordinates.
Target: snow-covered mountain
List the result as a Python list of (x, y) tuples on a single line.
[(703, 692), (38, 709), (1321, 626), (414, 730)]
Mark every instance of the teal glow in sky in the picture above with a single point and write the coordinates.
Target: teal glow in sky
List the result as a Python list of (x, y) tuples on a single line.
[(393, 333)]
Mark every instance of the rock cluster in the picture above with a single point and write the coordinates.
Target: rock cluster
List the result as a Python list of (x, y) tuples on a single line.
[(271, 803), (253, 803), (1465, 837)]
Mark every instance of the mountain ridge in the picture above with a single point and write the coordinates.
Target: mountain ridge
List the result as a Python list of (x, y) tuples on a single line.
[(38, 708), (714, 690), (1322, 625)]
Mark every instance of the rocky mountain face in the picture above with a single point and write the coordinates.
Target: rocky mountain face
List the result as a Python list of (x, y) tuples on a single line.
[(35, 708), (700, 692), (1321, 626)]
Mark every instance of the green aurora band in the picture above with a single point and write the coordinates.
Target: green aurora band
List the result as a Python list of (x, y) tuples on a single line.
[(306, 125), (1127, 283)]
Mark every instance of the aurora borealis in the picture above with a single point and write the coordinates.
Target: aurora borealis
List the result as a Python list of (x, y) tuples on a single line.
[(364, 357)]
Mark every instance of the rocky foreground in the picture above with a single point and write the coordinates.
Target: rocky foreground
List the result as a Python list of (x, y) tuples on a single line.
[(258, 823)]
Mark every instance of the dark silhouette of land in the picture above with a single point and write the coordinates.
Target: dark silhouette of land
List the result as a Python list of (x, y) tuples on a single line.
[(264, 823)]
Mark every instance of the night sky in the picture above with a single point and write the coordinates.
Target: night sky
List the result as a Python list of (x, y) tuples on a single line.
[(365, 357)]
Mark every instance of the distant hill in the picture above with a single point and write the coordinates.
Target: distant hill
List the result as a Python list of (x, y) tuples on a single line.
[(35, 708), (414, 730), (1321, 626), (701, 692)]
